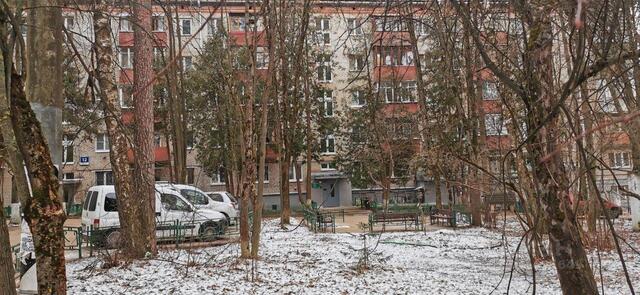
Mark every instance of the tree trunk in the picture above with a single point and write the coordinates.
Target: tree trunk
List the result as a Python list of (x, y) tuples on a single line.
[(436, 183), (44, 211), (285, 214), (177, 109), (132, 242), (7, 281), (144, 128), (574, 271)]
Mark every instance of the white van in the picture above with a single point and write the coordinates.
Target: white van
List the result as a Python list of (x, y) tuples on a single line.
[(175, 216), (218, 201)]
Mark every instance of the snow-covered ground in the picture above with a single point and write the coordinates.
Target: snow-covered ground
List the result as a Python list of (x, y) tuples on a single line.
[(461, 261)]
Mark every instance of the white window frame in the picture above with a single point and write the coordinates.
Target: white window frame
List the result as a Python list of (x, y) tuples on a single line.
[(182, 22), (327, 103), (327, 139), (356, 62), (494, 121), (121, 98), (213, 26), (105, 143), (388, 90), (409, 92), (104, 179), (293, 175), (489, 90), (326, 166), (158, 23), (186, 66), (66, 145), (620, 160), (216, 178), (69, 25), (124, 23), (355, 26), (357, 96), (324, 71), (262, 59), (125, 61), (323, 31)]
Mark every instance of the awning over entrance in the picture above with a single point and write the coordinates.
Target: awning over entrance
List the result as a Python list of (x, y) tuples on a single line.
[(328, 175)]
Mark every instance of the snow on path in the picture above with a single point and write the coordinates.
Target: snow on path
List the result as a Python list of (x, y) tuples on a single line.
[(461, 261)]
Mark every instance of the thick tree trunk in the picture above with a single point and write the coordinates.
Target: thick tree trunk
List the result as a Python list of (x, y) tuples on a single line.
[(285, 200), (7, 281), (44, 211), (128, 211), (144, 129), (574, 271)]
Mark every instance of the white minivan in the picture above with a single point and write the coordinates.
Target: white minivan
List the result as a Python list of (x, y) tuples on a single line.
[(176, 217), (218, 201)]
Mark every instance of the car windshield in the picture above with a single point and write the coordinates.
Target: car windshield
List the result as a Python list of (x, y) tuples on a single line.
[(195, 197), (171, 202)]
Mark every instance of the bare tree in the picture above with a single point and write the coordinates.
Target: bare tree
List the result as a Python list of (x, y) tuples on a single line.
[(143, 135)]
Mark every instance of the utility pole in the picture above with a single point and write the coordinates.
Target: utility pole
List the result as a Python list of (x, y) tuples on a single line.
[(44, 85)]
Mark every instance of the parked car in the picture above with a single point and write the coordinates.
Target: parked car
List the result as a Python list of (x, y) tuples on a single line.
[(173, 211), (613, 209), (222, 202)]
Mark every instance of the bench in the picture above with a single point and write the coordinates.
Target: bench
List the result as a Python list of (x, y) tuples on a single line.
[(448, 217), (442, 217), (386, 218)]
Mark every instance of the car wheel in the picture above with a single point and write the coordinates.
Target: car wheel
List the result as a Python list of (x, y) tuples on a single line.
[(226, 218), (113, 239), (209, 232)]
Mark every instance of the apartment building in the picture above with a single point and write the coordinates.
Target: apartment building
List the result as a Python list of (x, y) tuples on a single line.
[(349, 34)]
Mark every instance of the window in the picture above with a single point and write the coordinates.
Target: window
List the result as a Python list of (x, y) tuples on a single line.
[(195, 197), (357, 98), (104, 178), (420, 27), (408, 91), (388, 90), (69, 175), (328, 145), (102, 142), (619, 160), (395, 56), (293, 173), (158, 56), (390, 24), (126, 57), (125, 95), (262, 59), (185, 27), (187, 63), (157, 22), (67, 149), (213, 26), (110, 203), (356, 63), (327, 166), (494, 124), (218, 178), (217, 197), (173, 203), (125, 24), (323, 34), (324, 68), (94, 201), (489, 90), (240, 22), (355, 26), (327, 103), (69, 22), (191, 175), (190, 140)]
